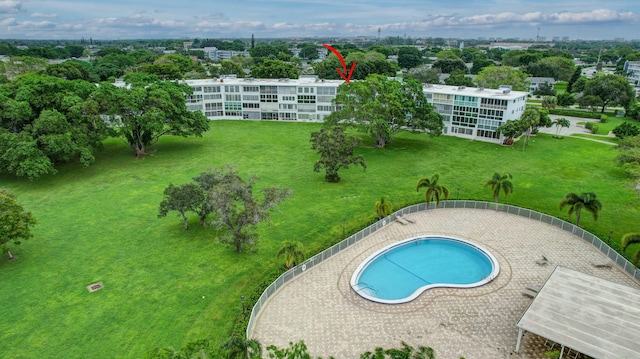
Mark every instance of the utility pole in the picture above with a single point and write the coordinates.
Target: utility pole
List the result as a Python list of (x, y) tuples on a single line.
[(379, 35), (538, 35)]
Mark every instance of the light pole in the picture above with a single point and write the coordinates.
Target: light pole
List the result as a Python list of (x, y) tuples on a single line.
[(242, 298)]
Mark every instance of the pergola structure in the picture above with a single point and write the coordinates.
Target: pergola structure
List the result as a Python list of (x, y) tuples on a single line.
[(587, 314)]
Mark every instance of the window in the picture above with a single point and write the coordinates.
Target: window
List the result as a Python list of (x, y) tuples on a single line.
[(268, 97), (250, 105), (289, 98), (213, 96), (268, 89), (306, 107), (303, 90), (326, 108), (287, 116), (268, 115), (306, 99), (212, 106), (211, 89), (326, 99), (231, 88), (251, 98), (237, 97), (233, 113), (288, 106), (194, 99), (488, 134), (326, 91), (287, 90), (232, 106), (251, 88)]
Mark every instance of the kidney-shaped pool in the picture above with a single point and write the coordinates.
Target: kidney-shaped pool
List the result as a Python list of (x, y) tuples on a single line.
[(399, 273)]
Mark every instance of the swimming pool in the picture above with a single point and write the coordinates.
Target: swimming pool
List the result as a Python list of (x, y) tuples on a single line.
[(399, 273)]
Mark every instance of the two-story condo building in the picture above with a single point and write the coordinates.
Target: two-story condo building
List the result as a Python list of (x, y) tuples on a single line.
[(472, 113)]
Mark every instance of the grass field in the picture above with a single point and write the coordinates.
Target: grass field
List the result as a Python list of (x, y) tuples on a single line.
[(164, 286)]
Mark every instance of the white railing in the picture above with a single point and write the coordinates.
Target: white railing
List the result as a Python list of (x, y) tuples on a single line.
[(622, 262)]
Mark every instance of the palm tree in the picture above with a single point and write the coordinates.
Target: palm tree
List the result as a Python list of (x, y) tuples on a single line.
[(434, 192), (241, 348), (586, 200), (384, 207), (530, 118), (292, 253), (561, 122), (500, 183)]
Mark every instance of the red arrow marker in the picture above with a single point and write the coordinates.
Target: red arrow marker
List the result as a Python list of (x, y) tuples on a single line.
[(343, 73)]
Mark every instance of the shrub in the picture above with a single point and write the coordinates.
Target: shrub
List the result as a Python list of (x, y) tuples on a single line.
[(604, 118), (574, 113), (592, 126), (626, 130)]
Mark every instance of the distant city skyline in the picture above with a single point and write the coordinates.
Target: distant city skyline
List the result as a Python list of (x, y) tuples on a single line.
[(145, 19)]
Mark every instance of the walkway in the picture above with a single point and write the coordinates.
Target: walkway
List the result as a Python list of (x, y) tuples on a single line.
[(574, 128), (320, 308)]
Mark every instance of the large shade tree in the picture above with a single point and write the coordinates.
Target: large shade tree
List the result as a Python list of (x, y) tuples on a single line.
[(140, 115), (433, 190), (184, 198), (236, 209), (383, 107), (336, 150), (15, 222), (610, 90), (576, 203), (46, 121), (500, 183), (494, 76)]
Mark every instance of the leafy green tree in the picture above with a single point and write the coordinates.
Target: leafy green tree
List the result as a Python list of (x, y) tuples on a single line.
[(560, 122), (549, 102), (309, 51), (457, 78), (564, 67), (447, 66), (199, 349), (480, 64), (425, 74), (336, 151), (590, 101), (140, 115), (494, 76), (236, 209), (384, 207), (182, 199), (611, 90), (15, 222), (241, 348), (576, 203), (275, 69), (228, 67), (292, 252), (510, 130), (577, 73), (565, 99), (409, 57), (384, 107), (629, 155), (434, 191), (45, 120), (545, 89), (541, 69), (72, 70), (529, 119), (628, 239), (500, 183)]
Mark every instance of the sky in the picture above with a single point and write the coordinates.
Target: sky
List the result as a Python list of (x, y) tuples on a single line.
[(149, 19)]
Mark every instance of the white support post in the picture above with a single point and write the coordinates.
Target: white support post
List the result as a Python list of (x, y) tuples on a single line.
[(519, 339), (561, 351)]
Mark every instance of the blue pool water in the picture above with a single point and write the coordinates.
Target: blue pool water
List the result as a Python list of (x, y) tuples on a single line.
[(401, 272)]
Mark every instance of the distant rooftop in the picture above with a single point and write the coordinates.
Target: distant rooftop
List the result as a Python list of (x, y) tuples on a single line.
[(475, 91)]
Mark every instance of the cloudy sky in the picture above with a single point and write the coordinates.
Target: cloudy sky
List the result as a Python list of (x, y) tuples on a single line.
[(136, 19)]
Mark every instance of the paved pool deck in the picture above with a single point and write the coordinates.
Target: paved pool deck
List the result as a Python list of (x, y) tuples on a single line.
[(320, 307)]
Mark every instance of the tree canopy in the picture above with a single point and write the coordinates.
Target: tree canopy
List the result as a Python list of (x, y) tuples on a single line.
[(494, 76), (610, 90), (140, 115), (336, 151), (383, 107), (15, 222), (275, 69)]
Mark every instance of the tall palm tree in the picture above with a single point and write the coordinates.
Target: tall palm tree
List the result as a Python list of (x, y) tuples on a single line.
[(434, 192), (586, 200), (500, 183), (241, 348), (384, 207), (530, 118), (292, 253)]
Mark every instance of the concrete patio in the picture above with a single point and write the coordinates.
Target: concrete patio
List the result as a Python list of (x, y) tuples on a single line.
[(320, 308)]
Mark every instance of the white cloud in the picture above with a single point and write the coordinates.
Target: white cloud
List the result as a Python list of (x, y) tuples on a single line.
[(10, 6), (38, 14)]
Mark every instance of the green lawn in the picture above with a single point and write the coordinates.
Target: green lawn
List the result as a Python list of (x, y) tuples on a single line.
[(560, 87), (100, 224)]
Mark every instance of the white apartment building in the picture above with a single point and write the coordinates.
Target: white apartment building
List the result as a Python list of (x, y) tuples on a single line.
[(475, 113), (470, 113), (631, 69), (214, 54)]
